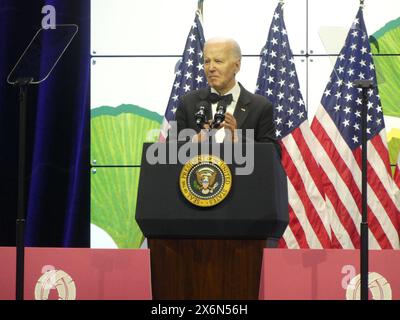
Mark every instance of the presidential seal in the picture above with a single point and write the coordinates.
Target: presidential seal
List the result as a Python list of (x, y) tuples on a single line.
[(205, 180)]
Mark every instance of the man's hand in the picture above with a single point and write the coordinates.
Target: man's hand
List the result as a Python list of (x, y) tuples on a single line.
[(203, 135), (230, 125)]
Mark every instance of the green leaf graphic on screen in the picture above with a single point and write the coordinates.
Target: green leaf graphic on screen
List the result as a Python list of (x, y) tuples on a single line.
[(113, 204), (386, 40), (117, 136)]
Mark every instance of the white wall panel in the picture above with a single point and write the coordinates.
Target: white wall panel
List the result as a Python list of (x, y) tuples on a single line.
[(142, 81), (248, 22), (319, 70), (329, 21), (138, 27), (159, 27)]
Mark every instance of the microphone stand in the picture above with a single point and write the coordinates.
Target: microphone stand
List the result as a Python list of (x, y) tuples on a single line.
[(364, 85)]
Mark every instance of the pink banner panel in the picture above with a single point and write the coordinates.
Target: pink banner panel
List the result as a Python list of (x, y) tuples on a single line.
[(327, 275), (78, 274)]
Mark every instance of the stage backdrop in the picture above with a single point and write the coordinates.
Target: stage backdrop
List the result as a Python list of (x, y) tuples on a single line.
[(135, 48)]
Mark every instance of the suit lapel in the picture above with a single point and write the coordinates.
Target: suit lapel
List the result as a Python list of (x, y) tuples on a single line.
[(242, 106)]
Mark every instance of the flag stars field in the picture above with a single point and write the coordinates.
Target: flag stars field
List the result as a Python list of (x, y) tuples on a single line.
[(337, 128), (277, 80), (190, 74)]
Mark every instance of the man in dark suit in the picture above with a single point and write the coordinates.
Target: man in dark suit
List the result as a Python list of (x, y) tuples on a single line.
[(244, 110)]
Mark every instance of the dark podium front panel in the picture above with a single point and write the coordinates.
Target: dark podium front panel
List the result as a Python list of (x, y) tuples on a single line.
[(256, 207)]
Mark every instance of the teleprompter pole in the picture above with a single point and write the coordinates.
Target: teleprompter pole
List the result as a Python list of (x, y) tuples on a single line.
[(364, 85)]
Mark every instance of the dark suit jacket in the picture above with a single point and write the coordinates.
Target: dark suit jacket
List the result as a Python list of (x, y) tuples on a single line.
[(252, 111)]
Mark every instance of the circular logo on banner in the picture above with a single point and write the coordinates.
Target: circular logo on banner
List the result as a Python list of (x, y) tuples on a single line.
[(378, 286), (55, 279), (205, 180)]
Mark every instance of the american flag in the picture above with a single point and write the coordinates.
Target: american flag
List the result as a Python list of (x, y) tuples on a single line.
[(337, 126), (190, 74), (277, 80)]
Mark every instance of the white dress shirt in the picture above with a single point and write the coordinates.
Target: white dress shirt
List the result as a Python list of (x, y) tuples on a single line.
[(235, 91)]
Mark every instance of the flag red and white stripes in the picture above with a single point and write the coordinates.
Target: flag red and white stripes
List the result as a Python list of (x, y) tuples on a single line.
[(341, 174), (337, 126), (277, 81), (309, 225)]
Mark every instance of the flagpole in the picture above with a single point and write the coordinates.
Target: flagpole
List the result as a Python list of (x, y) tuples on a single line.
[(200, 7), (364, 245)]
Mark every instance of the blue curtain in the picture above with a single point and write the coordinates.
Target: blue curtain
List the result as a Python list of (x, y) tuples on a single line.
[(58, 169)]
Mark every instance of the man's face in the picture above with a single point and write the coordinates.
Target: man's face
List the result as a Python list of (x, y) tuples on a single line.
[(220, 66)]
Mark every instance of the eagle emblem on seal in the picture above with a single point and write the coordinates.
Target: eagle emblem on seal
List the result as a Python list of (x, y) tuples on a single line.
[(206, 179)]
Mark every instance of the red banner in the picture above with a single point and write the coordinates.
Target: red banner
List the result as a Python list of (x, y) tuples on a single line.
[(78, 274), (328, 274)]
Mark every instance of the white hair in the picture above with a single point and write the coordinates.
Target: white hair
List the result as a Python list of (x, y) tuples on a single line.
[(235, 48)]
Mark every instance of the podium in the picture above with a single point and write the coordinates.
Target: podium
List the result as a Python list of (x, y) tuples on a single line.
[(211, 252)]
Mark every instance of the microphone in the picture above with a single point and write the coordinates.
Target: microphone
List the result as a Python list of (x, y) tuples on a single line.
[(201, 114), (219, 116), (223, 102)]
